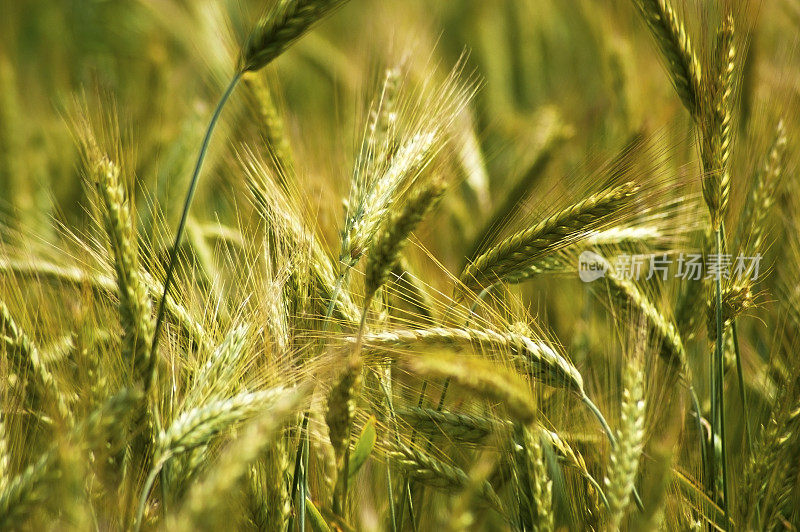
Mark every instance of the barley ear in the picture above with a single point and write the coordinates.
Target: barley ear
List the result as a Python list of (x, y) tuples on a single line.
[(134, 301), (624, 461), (752, 228), (28, 362), (391, 238), (676, 48), (521, 250), (716, 123), (26, 491), (273, 129), (535, 486), (282, 25), (735, 300), (339, 417)]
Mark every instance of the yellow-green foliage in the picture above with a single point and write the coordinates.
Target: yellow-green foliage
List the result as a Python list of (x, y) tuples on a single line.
[(378, 310)]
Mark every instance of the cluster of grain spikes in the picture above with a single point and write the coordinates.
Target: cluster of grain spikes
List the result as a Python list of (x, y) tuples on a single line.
[(281, 26), (383, 372), (707, 89)]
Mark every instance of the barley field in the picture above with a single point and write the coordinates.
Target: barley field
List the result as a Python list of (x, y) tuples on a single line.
[(399, 265)]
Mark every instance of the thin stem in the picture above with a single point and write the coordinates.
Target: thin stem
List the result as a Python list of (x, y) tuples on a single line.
[(406, 495), (739, 370), (306, 492), (173, 255), (721, 388), (298, 469), (148, 486), (698, 416), (742, 391), (298, 465), (391, 496)]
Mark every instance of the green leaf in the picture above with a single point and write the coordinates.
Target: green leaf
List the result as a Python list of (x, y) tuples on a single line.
[(318, 523), (366, 442)]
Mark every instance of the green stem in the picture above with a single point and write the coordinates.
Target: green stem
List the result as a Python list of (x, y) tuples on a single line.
[(739, 370), (720, 387), (148, 486), (299, 471), (406, 495), (173, 256), (298, 467)]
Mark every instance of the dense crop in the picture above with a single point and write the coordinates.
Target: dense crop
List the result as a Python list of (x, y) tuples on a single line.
[(399, 265)]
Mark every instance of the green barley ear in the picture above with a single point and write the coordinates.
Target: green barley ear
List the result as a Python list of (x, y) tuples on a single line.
[(28, 361), (716, 123), (627, 296), (391, 238), (481, 378), (534, 485), (531, 357), (24, 493), (735, 300), (521, 250), (341, 407), (457, 426), (205, 504), (620, 481), (763, 192), (268, 498), (273, 129), (676, 48), (283, 24), (134, 301), (430, 471), (339, 415)]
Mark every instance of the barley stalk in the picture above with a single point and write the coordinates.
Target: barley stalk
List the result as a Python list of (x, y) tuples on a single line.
[(5, 471)]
